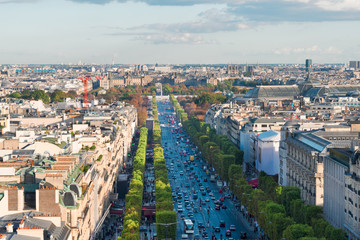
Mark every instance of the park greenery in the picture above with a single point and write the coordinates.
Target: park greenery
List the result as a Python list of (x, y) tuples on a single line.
[(279, 210), (157, 128), (56, 96), (180, 112), (163, 197), (133, 198)]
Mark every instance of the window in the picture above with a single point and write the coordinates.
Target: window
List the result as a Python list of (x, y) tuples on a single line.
[(68, 217)]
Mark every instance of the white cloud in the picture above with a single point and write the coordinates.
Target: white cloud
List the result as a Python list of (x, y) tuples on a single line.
[(339, 5), (17, 1), (210, 21), (333, 50), (179, 38), (313, 49)]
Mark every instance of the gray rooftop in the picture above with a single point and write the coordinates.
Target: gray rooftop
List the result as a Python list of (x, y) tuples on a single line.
[(273, 91)]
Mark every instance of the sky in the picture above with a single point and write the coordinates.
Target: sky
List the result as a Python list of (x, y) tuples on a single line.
[(179, 31)]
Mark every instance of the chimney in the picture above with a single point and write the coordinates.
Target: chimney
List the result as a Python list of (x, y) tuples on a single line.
[(10, 227)]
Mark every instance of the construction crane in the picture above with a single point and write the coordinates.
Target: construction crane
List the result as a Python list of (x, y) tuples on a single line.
[(85, 82)]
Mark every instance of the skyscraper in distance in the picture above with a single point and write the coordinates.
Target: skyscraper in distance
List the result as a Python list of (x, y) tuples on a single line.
[(308, 65)]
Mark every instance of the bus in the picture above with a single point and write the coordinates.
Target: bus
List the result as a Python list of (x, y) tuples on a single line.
[(189, 226)]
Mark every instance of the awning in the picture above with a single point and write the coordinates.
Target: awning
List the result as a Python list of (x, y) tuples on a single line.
[(254, 183)]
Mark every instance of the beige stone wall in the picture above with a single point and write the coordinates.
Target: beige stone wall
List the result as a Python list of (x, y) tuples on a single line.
[(31, 232), (13, 199), (57, 180), (48, 200), (10, 144)]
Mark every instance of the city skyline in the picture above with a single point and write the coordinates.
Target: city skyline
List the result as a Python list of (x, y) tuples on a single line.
[(179, 32)]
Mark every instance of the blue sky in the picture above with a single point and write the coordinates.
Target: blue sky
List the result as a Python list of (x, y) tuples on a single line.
[(179, 31)]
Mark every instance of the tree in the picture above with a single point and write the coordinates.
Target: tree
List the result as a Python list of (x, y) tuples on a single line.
[(40, 95), (58, 96), (72, 94), (297, 231), (297, 210), (15, 95), (166, 89), (312, 212), (268, 185), (26, 94), (280, 222)]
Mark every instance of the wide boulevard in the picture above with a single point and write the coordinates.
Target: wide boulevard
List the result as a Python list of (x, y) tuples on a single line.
[(189, 179)]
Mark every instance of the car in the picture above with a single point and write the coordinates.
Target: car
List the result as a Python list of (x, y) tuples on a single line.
[(203, 202), (181, 173), (211, 193), (197, 237), (222, 223), (174, 177), (196, 209), (190, 214), (212, 197), (205, 234), (143, 229), (203, 193), (198, 180), (232, 227), (217, 229), (224, 206), (205, 180), (207, 200), (202, 188), (180, 210), (228, 233), (182, 216), (188, 207), (217, 207), (184, 236), (195, 196), (200, 184), (200, 225)]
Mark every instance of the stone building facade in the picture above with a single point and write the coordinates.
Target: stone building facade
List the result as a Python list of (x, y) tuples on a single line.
[(304, 166)]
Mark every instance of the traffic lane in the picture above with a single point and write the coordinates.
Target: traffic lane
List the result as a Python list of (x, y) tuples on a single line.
[(201, 215), (215, 216)]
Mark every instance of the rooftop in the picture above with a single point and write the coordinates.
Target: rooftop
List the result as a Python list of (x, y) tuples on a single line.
[(273, 91)]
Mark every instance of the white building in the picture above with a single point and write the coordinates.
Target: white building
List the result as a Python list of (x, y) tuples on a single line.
[(352, 198), (267, 152), (335, 167)]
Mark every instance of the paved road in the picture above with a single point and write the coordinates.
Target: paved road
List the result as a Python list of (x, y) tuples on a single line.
[(175, 163)]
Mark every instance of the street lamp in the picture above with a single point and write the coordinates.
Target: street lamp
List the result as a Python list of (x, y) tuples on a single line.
[(166, 226)]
